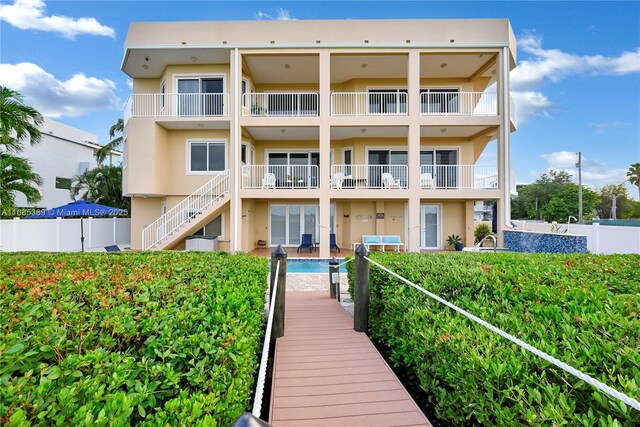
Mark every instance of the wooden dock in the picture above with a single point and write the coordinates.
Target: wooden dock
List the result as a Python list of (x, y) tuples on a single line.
[(326, 374)]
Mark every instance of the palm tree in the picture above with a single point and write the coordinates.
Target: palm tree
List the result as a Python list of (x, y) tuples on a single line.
[(101, 185), (18, 122), (16, 176), (634, 175), (115, 142)]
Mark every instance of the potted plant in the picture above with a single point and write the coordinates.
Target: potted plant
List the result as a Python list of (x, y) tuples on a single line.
[(455, 241)]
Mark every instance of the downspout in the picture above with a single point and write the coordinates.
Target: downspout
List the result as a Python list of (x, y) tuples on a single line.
[(506, 132), (236, 124)]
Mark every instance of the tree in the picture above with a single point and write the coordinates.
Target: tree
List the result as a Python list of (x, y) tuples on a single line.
[(114, 144), (564, 203), (604, 202), (533, 199), (101, 185), (634, 175), (16, 176), (19, 123)]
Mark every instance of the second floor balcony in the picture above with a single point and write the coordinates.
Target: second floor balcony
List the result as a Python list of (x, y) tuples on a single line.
[(279, 176), (369, 176), (177, 105), (453, 177), (442, 102), (284, 104)]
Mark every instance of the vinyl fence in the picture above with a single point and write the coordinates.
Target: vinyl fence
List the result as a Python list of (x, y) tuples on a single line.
[(601, 239), (62, 235)]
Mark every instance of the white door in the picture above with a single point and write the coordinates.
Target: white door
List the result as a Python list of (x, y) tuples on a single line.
[(430, 227)]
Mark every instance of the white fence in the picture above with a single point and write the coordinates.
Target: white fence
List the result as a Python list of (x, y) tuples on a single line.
[(601, 239), (63, 235)]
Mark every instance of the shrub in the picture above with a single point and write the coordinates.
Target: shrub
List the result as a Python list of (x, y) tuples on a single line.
[(137, 338), (481, 231), (581, 309)]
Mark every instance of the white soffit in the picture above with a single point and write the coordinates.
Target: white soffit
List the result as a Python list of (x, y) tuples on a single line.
[(462, 65), (451, 131), (289, 69), (347, 132), (348, 67), (150, 63)]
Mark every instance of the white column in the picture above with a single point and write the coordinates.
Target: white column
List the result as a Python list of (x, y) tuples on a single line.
[(88, 242), (236, 144), (58, 236), (596, 235), (115, 225)]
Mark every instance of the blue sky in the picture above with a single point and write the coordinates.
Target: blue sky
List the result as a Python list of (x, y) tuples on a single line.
[(577, 85)]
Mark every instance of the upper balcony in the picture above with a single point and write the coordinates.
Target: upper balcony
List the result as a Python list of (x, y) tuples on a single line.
[(372, 103), (294, 104), (167, 107), (444, 102)]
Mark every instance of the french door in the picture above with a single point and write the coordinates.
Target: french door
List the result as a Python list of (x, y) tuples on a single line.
[(429, 227), (289, 222)]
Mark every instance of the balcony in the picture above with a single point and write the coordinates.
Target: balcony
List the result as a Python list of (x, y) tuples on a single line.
[(177, 105), (369, 176), (369, 103), (453, 177), (279, 176), (295, 104), (458, 103)]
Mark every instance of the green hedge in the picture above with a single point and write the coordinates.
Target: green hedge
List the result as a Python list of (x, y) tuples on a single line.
[(582, 309), (135, 338)]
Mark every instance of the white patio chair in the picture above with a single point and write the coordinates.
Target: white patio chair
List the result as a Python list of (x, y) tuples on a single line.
[(389, 182), (269, 180), (426, 181), (337, 180)]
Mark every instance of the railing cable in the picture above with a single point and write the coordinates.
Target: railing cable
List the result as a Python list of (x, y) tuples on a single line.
[(262, 372), (581, 375)]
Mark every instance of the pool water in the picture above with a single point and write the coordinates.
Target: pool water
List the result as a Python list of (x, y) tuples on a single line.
[(312, 265)]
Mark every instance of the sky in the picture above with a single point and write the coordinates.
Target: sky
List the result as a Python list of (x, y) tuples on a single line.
[(576, 86)]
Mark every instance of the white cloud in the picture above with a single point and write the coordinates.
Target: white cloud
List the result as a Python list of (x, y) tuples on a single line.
[(601, 127), (281, 15), (55, 98), (30, 15), (594, 172), (553, 65)]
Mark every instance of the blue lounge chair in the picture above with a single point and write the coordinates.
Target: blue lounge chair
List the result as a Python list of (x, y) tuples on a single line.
[(113, 248), (306, 241), (332, 242)]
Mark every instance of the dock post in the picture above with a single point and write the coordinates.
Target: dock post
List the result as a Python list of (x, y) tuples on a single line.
[(334, 279), (278, 316), (361, 291)]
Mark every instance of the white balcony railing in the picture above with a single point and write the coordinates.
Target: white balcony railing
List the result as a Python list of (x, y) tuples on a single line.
[(458, 177), (368, 176), (459, 103), (177, 105), (280, 176), (298, 104), (369, 104)]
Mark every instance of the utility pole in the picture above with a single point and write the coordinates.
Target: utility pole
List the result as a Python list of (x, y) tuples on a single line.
[(579, 166)]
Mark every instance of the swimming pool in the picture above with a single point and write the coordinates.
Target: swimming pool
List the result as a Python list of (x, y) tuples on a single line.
[(318, 265)]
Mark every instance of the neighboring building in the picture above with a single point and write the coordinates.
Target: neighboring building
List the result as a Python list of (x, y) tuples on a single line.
[(483, 211), (63, 153), (358, 127)]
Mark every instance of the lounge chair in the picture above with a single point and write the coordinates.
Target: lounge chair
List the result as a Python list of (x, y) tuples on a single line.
[(389, 182), (337, 180), (306, 241), (426, 181), (269, 180), (332, 242)]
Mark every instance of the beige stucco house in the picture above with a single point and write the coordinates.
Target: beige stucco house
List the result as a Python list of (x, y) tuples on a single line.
[(262, 131)]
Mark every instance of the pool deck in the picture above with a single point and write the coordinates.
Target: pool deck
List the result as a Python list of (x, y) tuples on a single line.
[(327, 374)]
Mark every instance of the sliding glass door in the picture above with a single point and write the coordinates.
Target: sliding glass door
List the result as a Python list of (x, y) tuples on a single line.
[(200, 96), (294, 169), (387, 158), (441, 165), (289, 222)]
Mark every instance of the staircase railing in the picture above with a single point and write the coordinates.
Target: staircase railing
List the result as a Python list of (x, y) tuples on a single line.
[(186, 210)]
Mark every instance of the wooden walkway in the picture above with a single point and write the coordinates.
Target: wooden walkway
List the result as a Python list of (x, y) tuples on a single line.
[(326, 374)]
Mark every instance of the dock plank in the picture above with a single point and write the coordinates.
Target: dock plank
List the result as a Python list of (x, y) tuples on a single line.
[(326, 374)]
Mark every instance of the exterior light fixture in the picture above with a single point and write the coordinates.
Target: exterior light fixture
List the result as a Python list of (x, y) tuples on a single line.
[(443, 65), (363, 66), (443, 130), (145, 66), (194, 58), (283, 131), (363, 130), (287, 66)]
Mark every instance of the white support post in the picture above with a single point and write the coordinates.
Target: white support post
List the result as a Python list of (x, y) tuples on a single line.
[(114, 231), (89, 240), (596, 239), (16, 224), (58, 225)]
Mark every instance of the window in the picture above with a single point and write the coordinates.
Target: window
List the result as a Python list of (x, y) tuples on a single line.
[(200, 96), (442, 165), (207, 156), (163, 90), (243, 154), (214, 228), (63, 183), (244, 90)]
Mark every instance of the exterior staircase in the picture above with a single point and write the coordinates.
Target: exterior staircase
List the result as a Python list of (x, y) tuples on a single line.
[(189, 215)]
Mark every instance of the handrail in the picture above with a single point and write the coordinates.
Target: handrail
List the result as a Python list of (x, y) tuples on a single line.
[(178, 105), (184, 211), (490, 237), (262, 372), (573, 371)]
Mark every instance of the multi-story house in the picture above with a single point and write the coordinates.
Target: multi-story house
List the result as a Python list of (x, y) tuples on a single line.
[(262, 131), (63, 153)]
